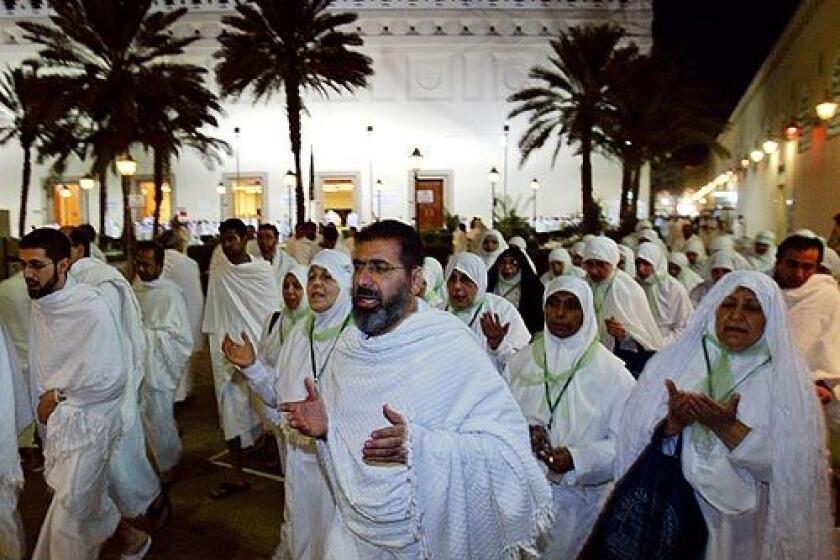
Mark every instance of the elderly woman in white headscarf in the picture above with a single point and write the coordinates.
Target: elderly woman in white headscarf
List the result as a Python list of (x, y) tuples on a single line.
[(734, 387), (668, 299), (492, 245), (577, 253), (627, 260), (560, 264), (571, 390), (494, 321), (309, 507), (625, 321), (434, 294), (680, 268)]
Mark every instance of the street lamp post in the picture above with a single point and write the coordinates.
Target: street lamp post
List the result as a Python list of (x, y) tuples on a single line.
[(289, 181), (415, 160), (220, 190), (87, 183), (379, 187), (535, 186), (493, 177), (127, 167)]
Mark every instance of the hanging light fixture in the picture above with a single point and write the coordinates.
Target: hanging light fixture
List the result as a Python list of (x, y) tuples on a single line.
[(827, 108), (87, 183), (126, 165), (165, 188), (745, 162), (415, 159), (64, 192), (793, 130), (220, 188), (494, 176), (757, 155)]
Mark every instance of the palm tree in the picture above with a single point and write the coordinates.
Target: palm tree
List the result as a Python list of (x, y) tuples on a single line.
[(569, 103), (290, 45), (28, 101), (176, 112), (108, 49)]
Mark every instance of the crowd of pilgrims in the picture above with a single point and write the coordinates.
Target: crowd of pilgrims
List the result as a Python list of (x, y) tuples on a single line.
[(422, 409)]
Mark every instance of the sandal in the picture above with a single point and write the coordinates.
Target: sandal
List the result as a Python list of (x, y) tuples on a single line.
[(226, 489)]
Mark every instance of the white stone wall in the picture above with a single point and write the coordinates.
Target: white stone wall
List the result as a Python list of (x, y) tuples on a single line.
[(435, 87)]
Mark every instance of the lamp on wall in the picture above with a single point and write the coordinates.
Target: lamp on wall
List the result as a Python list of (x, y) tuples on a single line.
[(757, 155), (769, 146), (64, 191), (792, 130), (126, 165), (827, 108), (87, 183)]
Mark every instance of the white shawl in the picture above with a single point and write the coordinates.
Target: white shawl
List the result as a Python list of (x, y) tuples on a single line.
[(559, 254), (239, 298), (797, 522), (280, 265), (814, 312), (61, 353), (15, 413), (629, 260), (166, 324), (586, 418), (695, 245), (184, 271), (668, 299), (15, 315), (471, 488), (620, 297)]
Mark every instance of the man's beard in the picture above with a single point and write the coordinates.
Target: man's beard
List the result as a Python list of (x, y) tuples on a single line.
[(38, 292), (375, 321)]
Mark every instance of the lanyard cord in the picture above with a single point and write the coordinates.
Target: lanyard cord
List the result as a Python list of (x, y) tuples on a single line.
[(584, 359), (736, 385), (475, 314), (315, 373)]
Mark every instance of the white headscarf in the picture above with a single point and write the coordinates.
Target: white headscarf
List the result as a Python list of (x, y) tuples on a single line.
[(433, 274), (687, 277), (629, 259), (340, 267), (695, 245), (727, 259), (517, 241), (602, 249), (831, 261), (797, 524), (561, 353), (301, 274), (490, 258), (578, 248), (561, 255)]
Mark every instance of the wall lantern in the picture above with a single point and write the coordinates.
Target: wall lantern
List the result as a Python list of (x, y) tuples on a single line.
[(827, 109), (757, 155)]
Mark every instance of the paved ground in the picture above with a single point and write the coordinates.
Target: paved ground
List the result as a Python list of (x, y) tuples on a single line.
[(239, 527)]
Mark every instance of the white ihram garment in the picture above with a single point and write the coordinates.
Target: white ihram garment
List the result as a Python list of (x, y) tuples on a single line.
[(584, 420), (15, 315), (75, 347), (470, 488), (15, 415), (239, 298), (814, 313), (309, 508), (166, 324), (133, 482), (184, 271), (768, 497)]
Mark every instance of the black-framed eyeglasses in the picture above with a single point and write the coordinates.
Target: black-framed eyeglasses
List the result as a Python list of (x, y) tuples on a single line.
[(376, 267)]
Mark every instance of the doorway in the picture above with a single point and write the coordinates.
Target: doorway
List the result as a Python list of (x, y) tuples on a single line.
[(428, 200), (66, 203), (147, 189), (336, 195), (247, 197)]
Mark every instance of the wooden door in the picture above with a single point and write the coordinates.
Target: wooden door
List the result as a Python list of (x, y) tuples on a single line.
[(428, 200)]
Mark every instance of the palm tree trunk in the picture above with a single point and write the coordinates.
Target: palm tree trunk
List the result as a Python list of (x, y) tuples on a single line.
[(24, 187), (103, 201), (624, 202), (158, 178), (293, 109), (590, 218)]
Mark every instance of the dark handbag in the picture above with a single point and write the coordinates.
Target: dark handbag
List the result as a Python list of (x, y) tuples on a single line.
[(652, 513)]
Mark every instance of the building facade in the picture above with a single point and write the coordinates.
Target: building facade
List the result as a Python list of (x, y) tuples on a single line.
[(784, 171), (443, 70)]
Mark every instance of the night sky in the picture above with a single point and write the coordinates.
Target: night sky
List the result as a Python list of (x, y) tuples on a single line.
[(723, 42)]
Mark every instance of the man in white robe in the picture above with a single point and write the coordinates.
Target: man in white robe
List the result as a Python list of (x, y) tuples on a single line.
[(184, 271), (166, 324), (78, 376), (309, 508), (493, 320), (301, 248), (134, 486), (451, 476), (241, 293), (15, 416), (753, 440), (667, 297), (625, 322), (281, 262), (15, 314), (572, 391)]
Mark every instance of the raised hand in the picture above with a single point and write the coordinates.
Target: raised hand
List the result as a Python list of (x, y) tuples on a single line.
[(714, 416), (493, 329), (308, 416), (615, 328), (240, 355), (387, 445), (680, 411)]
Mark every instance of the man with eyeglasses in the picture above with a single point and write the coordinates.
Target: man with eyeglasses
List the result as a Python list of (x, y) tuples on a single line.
[(79, 375), (423, 445), (813, 304)]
